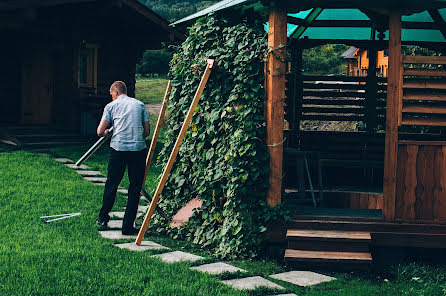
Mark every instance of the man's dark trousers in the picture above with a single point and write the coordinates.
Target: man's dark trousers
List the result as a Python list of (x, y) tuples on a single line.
[(117, 162)]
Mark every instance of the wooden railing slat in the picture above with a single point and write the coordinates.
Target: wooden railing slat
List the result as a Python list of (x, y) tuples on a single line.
[(424, 109), (424, 59), (424, 72)]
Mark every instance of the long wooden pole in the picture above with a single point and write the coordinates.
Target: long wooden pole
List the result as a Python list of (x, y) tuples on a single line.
[(157, 131), (275, 100), (174, 152), (393, 100)]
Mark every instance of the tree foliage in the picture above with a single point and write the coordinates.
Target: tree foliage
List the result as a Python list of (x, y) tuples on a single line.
[(174, 10), (324, 59)]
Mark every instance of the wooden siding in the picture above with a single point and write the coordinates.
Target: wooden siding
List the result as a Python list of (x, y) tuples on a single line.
[(421, 184)]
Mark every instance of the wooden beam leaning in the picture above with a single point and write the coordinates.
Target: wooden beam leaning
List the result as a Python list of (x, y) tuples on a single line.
[(174, 152), (275, 99), (157, 131), (393, 100)]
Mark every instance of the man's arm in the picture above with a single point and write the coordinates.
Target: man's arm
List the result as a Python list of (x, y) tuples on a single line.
[(102, 128), (146, 131)]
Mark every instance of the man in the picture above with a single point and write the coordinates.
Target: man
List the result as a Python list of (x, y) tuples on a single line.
[(130, 123)]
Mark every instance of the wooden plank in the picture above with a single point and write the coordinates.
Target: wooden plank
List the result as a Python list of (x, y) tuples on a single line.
[(332, 110), (408, 59), (379, 202), (424, 84), (333, 78), (335, 102), (414, 240), (174, 152), (363, 201), (354, 200), (334, 86), (372, 202), (407, 180), (439, 193), (440, 175), (425, 97), (328, 235), (275, 88), (424, 121), (425, 183), (412, 142), (393, 92), (334, 94), (323, 256), (424, 72), (157, 131), (424, 109), (332, 118)]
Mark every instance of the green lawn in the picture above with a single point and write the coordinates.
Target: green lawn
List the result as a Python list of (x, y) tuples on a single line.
[(69, 257), (150, 90)]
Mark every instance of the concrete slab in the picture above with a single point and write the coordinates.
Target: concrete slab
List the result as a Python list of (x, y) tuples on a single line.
[(115, 234), (63, 160), (75, 167), (144, 246), (177, 256), (120, 215), (123, 191), (142, 209), (96, 179), (88, 173), (302, 278), (217, 268), (251, 283), (115, 224)]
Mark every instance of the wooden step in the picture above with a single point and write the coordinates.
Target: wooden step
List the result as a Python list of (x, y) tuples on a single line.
[(323, 240), (330, 260), (329, 235)]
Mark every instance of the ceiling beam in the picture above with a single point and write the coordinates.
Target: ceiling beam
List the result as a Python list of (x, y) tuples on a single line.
[(436, 16)]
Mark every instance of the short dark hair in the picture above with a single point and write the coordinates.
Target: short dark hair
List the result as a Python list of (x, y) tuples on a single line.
[(120, 86)]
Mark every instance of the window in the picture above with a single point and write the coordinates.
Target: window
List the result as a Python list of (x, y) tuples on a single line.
[(88, 66)]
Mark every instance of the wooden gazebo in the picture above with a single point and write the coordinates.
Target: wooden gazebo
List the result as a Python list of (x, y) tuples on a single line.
[(400, 148)]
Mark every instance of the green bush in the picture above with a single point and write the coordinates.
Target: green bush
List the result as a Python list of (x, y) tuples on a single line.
[(223, 158), (154, 62)]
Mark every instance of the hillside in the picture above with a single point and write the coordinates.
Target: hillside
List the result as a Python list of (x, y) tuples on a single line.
[(174, 10)]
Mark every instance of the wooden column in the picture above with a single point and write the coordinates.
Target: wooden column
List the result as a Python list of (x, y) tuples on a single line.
[(275, 96), (393, 101), (372, 90)]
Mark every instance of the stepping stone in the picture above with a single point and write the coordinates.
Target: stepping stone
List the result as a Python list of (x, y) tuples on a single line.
[(302, 278), (88, 173), (115, 224), (141, 209), (144, 246), (44, 154), (285, 295), (115, 234), (177, 256), (251, 283), (217, 268), (96, 179), (120, 215), (75, 167), (64, 160), (124, 191)]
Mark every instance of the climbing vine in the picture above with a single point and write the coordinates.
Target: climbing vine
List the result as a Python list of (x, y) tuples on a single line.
[(223, 159)]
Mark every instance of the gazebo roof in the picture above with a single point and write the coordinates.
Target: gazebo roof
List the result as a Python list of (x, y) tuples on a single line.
[(349, 20)]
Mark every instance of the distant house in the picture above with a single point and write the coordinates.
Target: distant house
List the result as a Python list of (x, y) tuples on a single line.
[(59, 57), (358, 62)]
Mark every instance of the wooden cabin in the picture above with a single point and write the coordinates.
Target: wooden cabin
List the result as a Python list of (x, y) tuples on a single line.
[(357, 62), (59, 58), (382, 184)]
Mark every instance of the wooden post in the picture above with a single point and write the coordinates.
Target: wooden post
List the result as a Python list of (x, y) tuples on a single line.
[(275, 88), (174, 152), (393, 100), (157, 131), (372, 91)]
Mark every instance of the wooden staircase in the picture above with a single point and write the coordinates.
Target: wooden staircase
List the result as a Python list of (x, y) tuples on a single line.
[(331, 249)]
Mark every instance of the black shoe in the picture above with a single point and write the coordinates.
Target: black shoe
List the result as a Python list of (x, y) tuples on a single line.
[(130, 231), (101, 222)]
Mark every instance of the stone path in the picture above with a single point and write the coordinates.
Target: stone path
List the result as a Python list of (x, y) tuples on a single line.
[(300, 278)]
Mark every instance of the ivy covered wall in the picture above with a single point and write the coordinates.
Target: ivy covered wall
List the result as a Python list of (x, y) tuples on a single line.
[(223, 159)]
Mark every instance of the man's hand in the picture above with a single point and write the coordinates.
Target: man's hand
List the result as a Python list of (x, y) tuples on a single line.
[(146, 131), (102, 128)]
